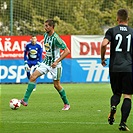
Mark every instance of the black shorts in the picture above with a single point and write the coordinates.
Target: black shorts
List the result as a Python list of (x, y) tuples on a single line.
[(121, 82)]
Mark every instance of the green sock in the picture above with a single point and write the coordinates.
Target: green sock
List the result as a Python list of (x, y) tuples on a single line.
[(29, 90), (63, 96)]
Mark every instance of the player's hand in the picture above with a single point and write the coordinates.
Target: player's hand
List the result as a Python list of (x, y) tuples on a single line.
[(103, 62), (54, 64), (26, 67)]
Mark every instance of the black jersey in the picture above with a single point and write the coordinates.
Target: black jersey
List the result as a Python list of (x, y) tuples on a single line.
[(121, 39)]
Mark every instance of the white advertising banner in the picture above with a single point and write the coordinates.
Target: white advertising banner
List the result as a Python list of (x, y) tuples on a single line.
[(87, 46)]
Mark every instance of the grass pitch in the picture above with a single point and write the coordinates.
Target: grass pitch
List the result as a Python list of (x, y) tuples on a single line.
[(88, 113)]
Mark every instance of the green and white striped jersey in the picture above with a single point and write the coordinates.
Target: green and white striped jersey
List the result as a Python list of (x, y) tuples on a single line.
[(52, 45)]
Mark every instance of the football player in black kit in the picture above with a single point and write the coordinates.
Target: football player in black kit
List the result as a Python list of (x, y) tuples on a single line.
[(120, 39)]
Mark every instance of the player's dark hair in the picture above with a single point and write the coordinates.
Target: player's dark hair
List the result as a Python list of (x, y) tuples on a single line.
[(51, 22), (122, 15)]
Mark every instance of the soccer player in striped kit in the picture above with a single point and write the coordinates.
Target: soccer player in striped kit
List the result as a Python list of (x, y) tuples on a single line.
[(51, 63)]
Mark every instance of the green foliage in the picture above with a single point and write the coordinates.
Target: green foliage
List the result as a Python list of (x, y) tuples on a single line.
[(75, 17), (64, 28)]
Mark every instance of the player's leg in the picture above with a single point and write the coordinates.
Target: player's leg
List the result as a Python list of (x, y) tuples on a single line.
[(28, 74), (36, 79), (125, 111), (57, 72), (32, 69), (62, 93), (126, 105), (115, 99), (30, 87), (28, 69), (42, 69)]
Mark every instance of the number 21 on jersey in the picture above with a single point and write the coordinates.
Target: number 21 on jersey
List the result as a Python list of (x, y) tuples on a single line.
[(119, 37)]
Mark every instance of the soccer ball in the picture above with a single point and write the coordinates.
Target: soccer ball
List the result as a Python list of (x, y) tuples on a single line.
[(14, 104)]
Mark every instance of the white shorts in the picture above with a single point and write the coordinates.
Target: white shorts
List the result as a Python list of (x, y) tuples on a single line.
[(55, 72)]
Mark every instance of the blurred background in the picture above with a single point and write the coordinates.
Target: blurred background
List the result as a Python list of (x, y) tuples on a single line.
[(77, 17)]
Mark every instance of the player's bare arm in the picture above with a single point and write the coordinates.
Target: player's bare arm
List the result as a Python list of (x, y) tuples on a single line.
[(103, 51), (65, 52)]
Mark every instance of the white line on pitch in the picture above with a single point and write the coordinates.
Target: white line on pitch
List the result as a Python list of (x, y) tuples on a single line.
[(45, 122)]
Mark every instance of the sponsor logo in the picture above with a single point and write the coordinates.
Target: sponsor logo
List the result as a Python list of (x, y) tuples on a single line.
[(96, 72), (13, 46), (17, 74), (13, 72), (87, 46)]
